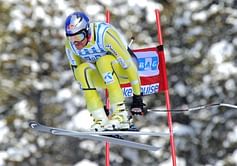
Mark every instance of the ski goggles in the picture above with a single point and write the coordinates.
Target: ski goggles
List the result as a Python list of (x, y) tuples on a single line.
[(77, 37)]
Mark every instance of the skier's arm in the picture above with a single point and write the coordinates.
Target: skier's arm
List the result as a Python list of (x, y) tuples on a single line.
[(114, 44), (73, 59)]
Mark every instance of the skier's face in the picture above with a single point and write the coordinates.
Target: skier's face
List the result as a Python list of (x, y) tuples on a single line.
[(80, 44), (79, 40)]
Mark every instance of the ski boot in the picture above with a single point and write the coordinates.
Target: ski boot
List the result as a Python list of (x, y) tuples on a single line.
[(100, 119), (119, 118)]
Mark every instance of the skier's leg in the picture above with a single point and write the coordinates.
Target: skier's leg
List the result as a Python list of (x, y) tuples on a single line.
[(89, 79), (119, 117)]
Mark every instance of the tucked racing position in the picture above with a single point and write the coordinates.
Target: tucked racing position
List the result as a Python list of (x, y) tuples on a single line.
[(99, 58)]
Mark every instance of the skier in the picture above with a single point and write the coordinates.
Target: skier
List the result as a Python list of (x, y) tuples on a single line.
[(99, 58)]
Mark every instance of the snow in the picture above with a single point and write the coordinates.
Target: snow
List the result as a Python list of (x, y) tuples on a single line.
[(6, 57), (232, 20), (4, 130), (82, 120), (41, 142), (64, 94), (185, 20), (17, 23), (38, 85), (35, 67), (150, 8), (131, 154), (219, 55), (7, 83), (214, 9), (232, 136), (78, 100), (3, 157), (66, 76), (86, 162), (61, 5), (180, 88), (182, 130), (200, 16), (207, 79), (220, 51), (193, 5), (19, 152), (23, 108), (88, 145), (230, 85), (135, 3), (44, 1), (39, 13), (196, 31), (16, 26), (145, 138), (234, 156), (93, 9), (225, 70), (15, 154), (179, 162), (115, 157), (57, 21), (107, 2)]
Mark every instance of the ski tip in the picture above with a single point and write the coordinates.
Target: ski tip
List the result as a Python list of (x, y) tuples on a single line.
[(32, 124)]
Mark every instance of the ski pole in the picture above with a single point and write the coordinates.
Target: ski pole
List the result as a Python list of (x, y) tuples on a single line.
[(201, 107)]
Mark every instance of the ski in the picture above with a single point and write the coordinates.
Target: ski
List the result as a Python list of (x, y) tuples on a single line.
[(129, 133), (92, 136)]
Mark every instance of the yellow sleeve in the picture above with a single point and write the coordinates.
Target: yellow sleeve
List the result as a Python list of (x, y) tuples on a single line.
[(114, 43), (73, 59)]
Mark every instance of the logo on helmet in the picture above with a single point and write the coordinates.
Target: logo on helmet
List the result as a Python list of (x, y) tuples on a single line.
[(70, 27), (74, 23)]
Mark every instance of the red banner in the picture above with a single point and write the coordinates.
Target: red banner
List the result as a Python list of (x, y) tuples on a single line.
[(151, 71)]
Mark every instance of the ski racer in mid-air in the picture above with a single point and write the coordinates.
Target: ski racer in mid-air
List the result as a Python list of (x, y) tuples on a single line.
[(99, 58)]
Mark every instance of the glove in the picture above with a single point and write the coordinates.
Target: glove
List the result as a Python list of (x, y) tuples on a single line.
[(138, 107)]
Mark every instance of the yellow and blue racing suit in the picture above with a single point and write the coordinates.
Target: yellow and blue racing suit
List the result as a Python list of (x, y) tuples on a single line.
[(103, 63)]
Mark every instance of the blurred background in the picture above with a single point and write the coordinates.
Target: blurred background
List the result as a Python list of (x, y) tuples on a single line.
[(36, 82)]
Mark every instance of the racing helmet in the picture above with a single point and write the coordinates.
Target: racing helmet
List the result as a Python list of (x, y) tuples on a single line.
[(77, 23)]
